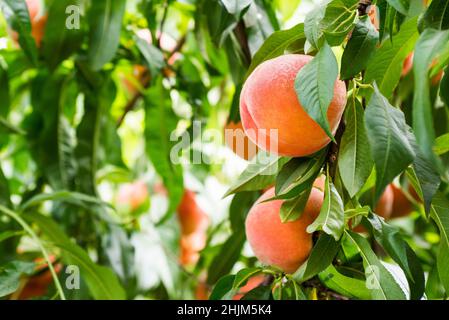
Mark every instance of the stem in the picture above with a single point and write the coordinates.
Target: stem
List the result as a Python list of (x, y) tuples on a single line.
[(33, 235), (242, 38), (161, 28)]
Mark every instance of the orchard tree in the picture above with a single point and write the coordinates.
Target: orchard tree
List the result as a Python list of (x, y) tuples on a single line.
[(119, 121)]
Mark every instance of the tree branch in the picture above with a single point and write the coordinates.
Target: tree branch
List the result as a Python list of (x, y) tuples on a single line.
[(240, 33)]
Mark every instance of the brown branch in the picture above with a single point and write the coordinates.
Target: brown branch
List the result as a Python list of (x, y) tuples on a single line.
[(161, 27), (240, 33)]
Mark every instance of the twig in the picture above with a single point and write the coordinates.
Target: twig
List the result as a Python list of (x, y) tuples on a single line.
[(242, 38)]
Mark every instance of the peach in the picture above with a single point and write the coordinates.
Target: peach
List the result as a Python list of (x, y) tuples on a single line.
[(284, 245), (191, 216), (238, 141), (272, 115), (384, 207), (402, 206), (132, 195)]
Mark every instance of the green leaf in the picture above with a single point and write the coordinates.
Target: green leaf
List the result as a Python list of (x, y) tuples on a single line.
[(401, 6), (223, 288), (385, 67), (160, 122), (10, 275), (226, 258), (440, 214), (259, 174), (16, 13), (444, 87), (349, 287), (332, 216), (360, 48), (314, 86), (322, 255), (60, 41), (399, 250), (298, 173), (239, 208), (259, 293), (154, 58), (436, 16), (5, 98), (442, 144), (75, 198), (388, 139), (354, 161), (105, 18), (379, 280), (276, 44), (338, 20), (312, 24), (102, 282), (430, 44), (292, 209), (242, 277), (10, 234), (426, 175)]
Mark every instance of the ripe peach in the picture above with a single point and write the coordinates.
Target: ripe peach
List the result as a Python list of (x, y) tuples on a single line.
[(132, 195), (191, 216), (238, 141), (269, 105), (402, 206), (284, 245), (384, 207)]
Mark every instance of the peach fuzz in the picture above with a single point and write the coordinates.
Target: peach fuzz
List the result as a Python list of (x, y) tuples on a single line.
[(268, 101), (284, 245)]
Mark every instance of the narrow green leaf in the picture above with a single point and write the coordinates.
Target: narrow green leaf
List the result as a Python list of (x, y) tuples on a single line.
[(349, 287), (60, 40), (242, 277), (388, 138), (385, 67), (260, 173), (10, 275), (17, 15), (436, 16), (379, 280), (5, 98), (401, 6), (430, 44), (314, 86), (102, 282), (360, 48), (320, 258), (354, 161), (399, 250), (223, 288), (440, 214), (292, 209), (442, 144), (332, 216), (105, 25), (160, 122), (444, 87), (226, 258), (276, 44)]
